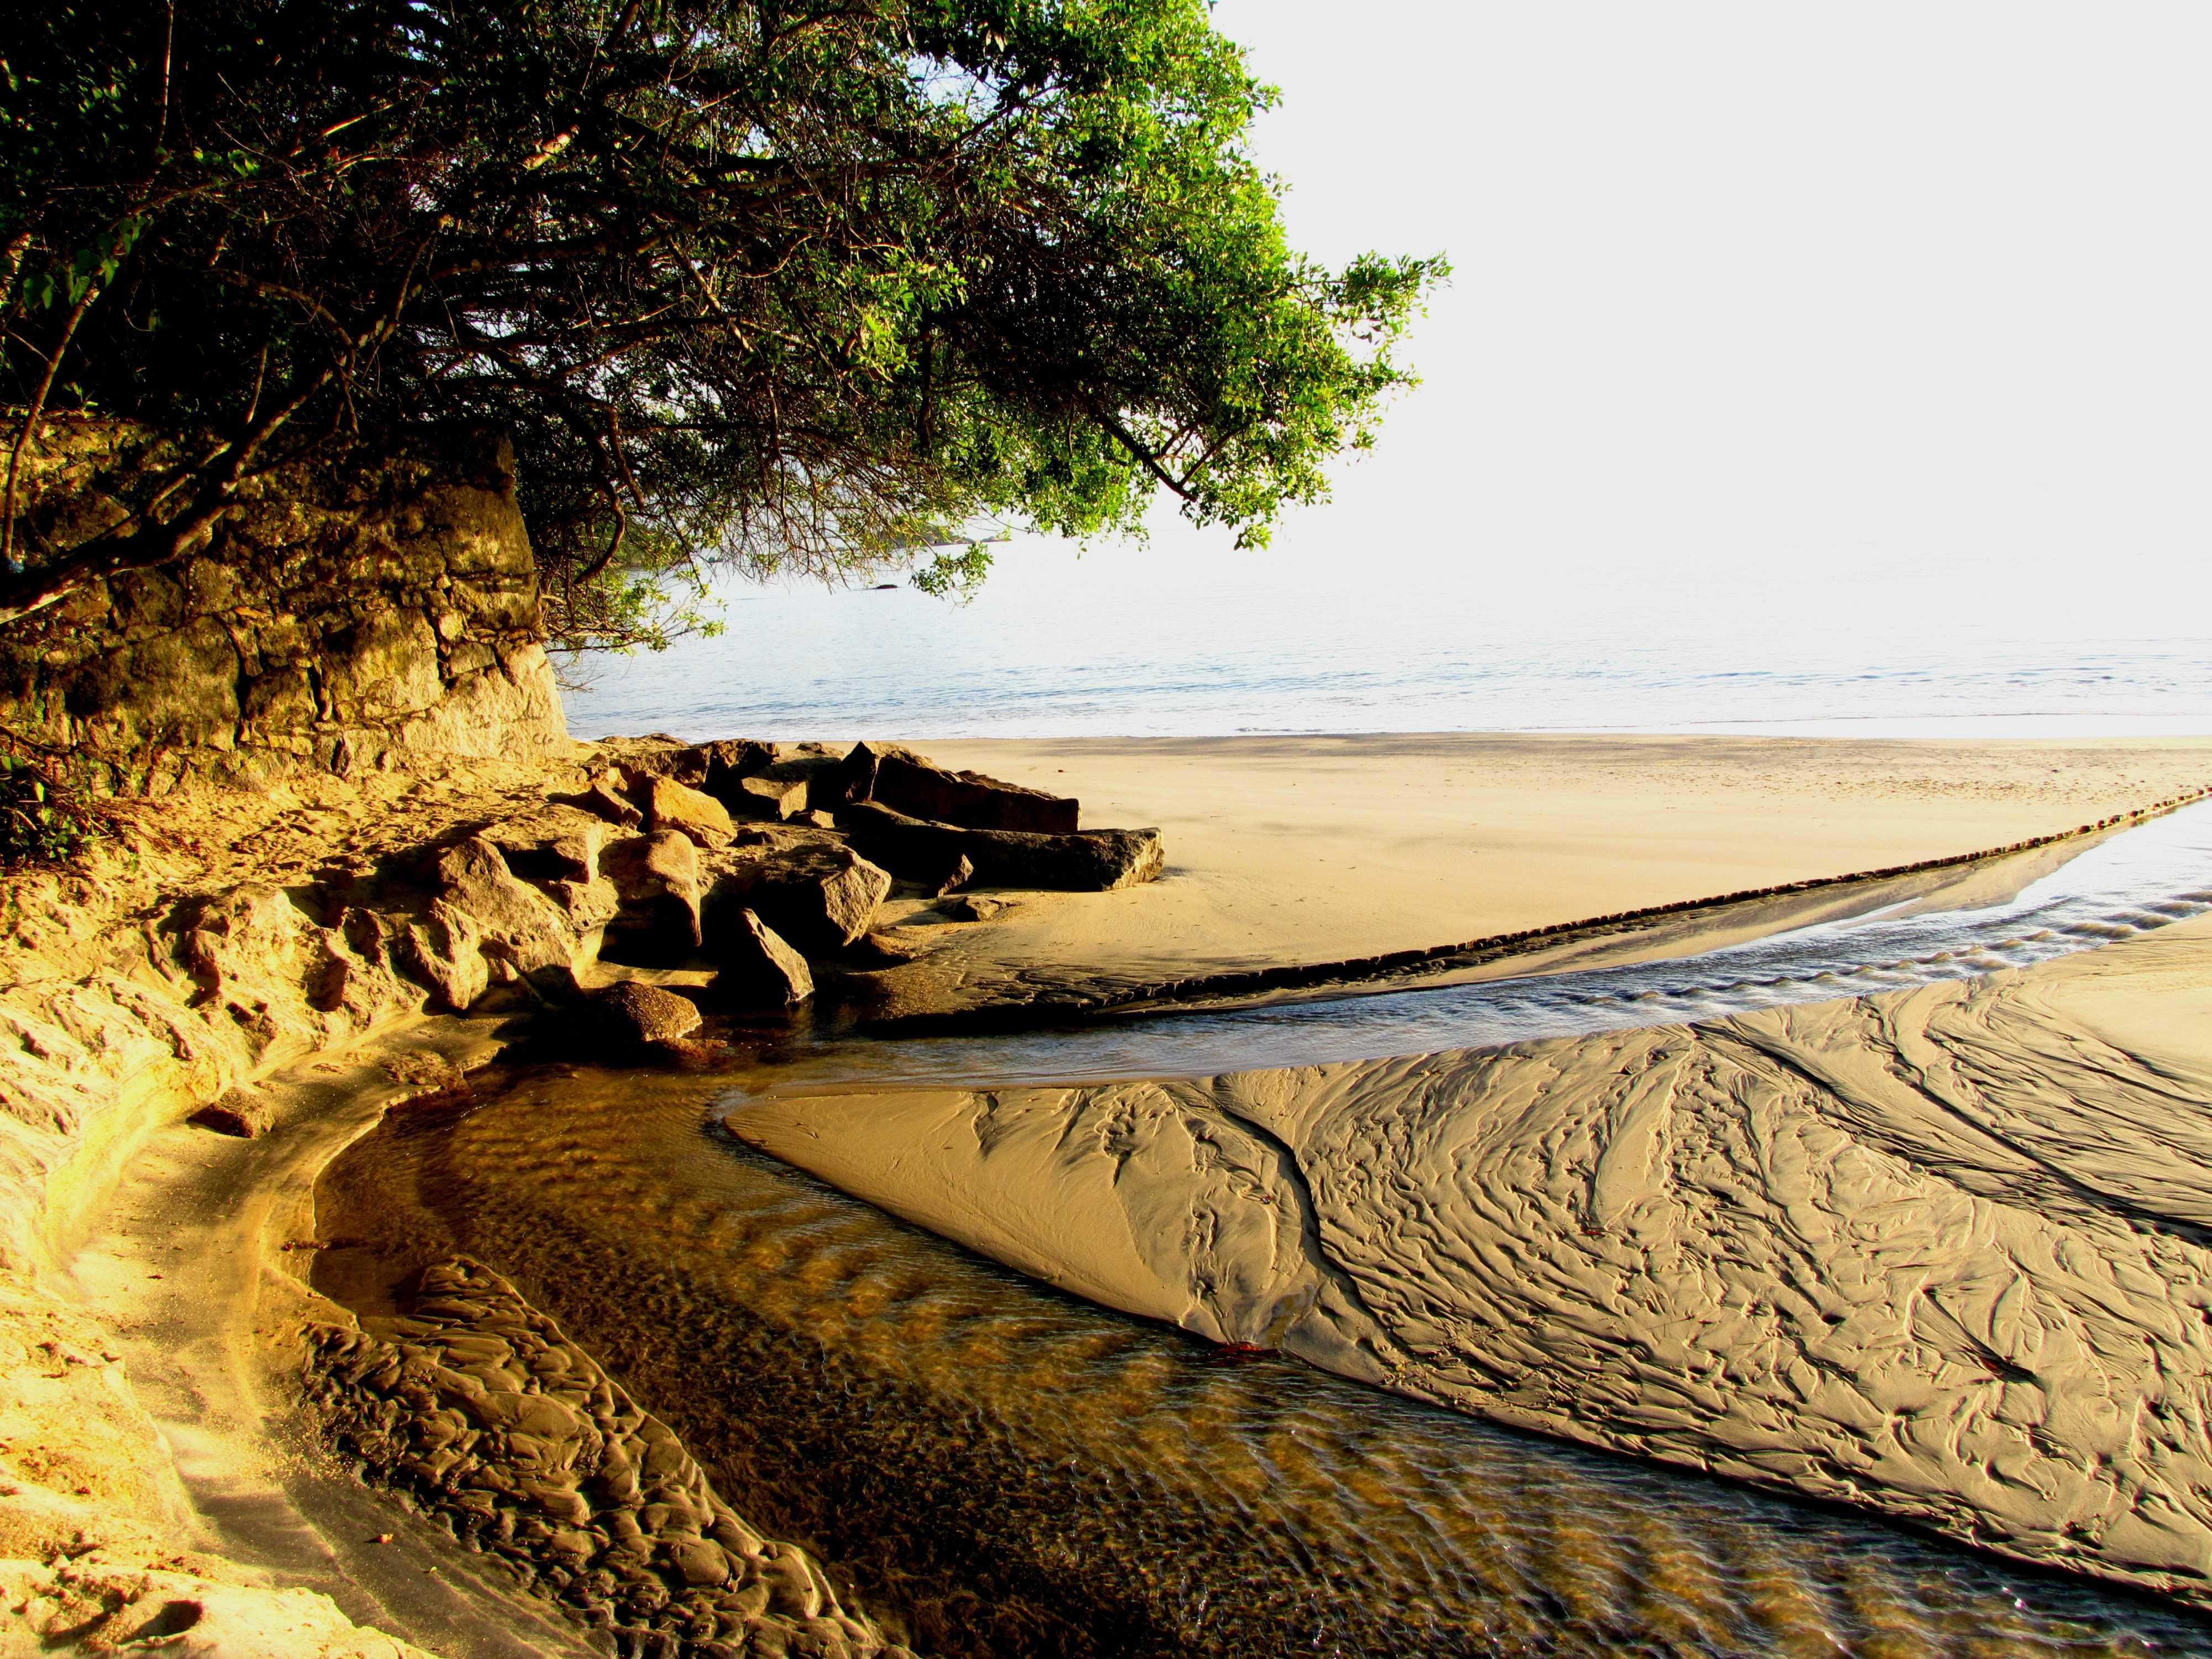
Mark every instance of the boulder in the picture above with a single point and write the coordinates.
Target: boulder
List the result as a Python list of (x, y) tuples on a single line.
[(729, 762), (636, 1015), (602, 801), (759, 971), (237, 1113), (511, 921), (763, 797), (1088, 861), (856, 773), (962, 872), (656, 756), (657, 878), (692, 812), (907, 783), (820, 896), (882, 950), (820, 769), (557, 851)]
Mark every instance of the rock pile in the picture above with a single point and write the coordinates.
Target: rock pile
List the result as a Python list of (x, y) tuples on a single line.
[(475, 1408)]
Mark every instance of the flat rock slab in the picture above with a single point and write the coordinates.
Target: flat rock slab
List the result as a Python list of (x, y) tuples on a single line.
[(907, 783), (1945, 1252), (1090, 861)]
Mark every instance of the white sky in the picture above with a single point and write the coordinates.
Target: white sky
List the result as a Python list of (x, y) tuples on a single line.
[(1890, 317)]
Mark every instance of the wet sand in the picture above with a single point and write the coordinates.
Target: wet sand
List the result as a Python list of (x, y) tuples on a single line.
[(1940, 1252), (999, 1469)]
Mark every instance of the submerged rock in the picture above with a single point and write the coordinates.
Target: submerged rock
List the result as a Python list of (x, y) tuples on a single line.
[(475, 1407)]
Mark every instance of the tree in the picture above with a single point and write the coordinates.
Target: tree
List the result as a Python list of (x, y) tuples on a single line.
[(796, 284)]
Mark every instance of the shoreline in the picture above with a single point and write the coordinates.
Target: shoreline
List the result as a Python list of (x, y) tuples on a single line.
[(1301, 851), (1686, 928)]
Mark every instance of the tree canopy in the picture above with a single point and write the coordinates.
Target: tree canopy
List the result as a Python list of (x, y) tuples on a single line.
[(796, 284)]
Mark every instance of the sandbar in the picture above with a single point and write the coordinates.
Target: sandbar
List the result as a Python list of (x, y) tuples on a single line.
[(1294, 849)]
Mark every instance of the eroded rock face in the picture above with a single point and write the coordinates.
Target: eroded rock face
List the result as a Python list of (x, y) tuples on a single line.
[(365, 611), (759, 969), (475, 1407)]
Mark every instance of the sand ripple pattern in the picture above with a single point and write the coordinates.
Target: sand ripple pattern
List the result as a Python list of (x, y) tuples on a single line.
[(1940, 1252), (477, 1406)]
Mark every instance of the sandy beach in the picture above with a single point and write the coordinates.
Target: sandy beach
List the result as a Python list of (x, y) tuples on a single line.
[(1318, 848), (1749, 1246)]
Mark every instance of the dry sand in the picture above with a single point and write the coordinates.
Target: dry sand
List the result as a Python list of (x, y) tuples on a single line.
[(1319, 849), (1944, 1253)]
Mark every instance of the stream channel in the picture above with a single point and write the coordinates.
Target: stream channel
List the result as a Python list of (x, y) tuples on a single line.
[(996, 1468)]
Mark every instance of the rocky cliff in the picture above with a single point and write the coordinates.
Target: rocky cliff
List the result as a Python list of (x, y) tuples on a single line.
[(370, 609)]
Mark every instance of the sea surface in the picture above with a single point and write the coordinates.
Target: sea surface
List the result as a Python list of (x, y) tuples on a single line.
[(1093, 648)]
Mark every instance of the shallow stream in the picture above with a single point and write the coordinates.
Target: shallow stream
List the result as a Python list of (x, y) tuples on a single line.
[(2010, 912), (1000, 1469)]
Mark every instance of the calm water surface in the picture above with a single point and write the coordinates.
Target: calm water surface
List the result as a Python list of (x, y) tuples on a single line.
[(1111, 647)]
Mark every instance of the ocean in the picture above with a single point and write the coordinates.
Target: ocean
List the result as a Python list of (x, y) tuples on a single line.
[(1105, 647)]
